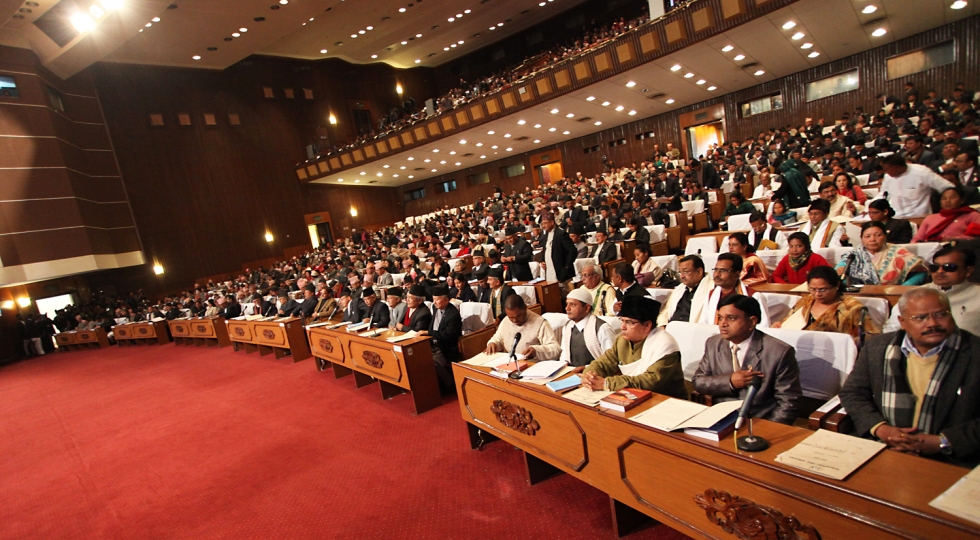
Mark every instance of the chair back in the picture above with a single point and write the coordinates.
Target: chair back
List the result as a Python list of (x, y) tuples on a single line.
[(475, 315), (825, 359), (777, 305), (667, 262), (704, 244), (739, 222), (691, 337)]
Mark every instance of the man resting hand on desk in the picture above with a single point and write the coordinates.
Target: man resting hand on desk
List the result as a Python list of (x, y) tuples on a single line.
[(643, 356), (538, 341)]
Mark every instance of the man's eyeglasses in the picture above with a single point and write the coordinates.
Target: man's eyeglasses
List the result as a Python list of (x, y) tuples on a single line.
[(946, 267), (939, 316), (722, 270), (589, 275)]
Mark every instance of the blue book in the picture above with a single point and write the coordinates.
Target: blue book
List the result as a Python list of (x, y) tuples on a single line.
[(717, 432), (564, 384)]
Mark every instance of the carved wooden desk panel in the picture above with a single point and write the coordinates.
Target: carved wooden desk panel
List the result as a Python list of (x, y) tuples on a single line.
[(141, 333), (397, 367), (211, 332), (179, 328), (700, 487), (82, 339), (280, 338)]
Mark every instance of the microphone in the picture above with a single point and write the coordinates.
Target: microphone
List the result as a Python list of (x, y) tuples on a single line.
[(749, 443), (516, 374), (603, 301), (847, 273)]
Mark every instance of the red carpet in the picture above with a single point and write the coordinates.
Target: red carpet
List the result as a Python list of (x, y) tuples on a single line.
[(177, 442)]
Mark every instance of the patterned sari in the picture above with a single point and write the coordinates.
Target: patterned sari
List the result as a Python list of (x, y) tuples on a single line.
[(892, 265)]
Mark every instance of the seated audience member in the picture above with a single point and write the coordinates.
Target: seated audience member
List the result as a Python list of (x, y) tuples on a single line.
[(687, 299), (725, 275), (625, 283), (538, 341), (762, 235), (741, 352), (445, 329), (479, 262), (231, 308), (377, 312), (794, 267), (603, 251), (638, 231), (839, 205), (645, 269), (897, 231), (737, 204), (263, 308), (352, 309), (918, 389), (643, 356), (909, 186), (461, 289), (819, 228), (955, 220), (396, 308), (483, 290), (576, 233), (417, 315), (754, 271), (826, 309), (326, 305), (384, 278), (877, 262), (950, 269), (848, 189), (499, 292), (306, 308), (584, 337), (603, 294), (766, 186), (781, 214), (212, 309)]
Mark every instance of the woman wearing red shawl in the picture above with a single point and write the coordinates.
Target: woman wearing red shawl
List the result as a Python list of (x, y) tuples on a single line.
[(953, 222)]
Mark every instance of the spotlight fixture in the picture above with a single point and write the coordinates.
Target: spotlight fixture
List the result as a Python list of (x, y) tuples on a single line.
[(712, 88), (806, 46), (879, 32), (868, 10), (590, 98), (739, 57), (959, 4), (759, 72), (789, 25), (688, 75), (727, 48), (814, 54), (700, 81), (798, 36), (675, 67), (669, 101), (630, 84), (554, 111)]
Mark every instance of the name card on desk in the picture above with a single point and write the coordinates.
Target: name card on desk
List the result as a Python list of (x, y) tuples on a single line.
[(963, 499), (830, 454)]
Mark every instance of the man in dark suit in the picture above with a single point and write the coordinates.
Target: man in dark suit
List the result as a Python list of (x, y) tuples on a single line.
[(603, 251), (446, 328), (417, 315), (624, 281), (306, 308), (706, 174), (918, 389), (607, 221), (499, 292), (352, 309), (573, 215), (483, 290), (262, 307), (480, 262), (377, 313), (739, 354), (517, 254), (561, 266), (231, 309)]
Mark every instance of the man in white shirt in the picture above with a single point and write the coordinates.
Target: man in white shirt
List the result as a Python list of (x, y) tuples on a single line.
[(763, 235), (584, 337), (950, 269), (908, 187), (822, 232), (603, 294), (839, 204), (537, 341)]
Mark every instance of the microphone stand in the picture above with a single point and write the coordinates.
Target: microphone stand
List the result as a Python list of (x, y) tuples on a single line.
[(516, 374), (751, 443), (847, 274)]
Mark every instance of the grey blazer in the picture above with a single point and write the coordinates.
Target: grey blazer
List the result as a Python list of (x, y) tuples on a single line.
[(398, 315), (778, 399)]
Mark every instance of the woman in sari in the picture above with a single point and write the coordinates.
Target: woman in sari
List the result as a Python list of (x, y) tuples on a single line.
[(646, 270), (955, 220), (795, 266), (754, 271), (846, 187), (781, 215), (825, 309), (877, 262)]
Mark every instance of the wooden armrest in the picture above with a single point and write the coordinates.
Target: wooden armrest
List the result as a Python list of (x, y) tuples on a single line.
[(536, 308), (832, 417), (608, 267), (475, 343)]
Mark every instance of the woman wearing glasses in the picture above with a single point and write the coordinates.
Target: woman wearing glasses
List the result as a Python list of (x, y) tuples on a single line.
[(877, 262), (825, 309)]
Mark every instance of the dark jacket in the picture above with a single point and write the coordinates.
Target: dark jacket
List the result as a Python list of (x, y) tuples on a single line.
[(607, 254), (642, 235), (563, 254), (446, 337), (379, 314), (421, 319), (519, 269), (230, 311)]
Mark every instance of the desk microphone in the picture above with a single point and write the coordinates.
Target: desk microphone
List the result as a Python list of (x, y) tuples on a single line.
[(516, 374), (847, 273), (603, 301), (749, 443)]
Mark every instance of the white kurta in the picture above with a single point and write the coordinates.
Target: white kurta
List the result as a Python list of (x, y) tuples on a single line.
[(909, 193), (536, 333)]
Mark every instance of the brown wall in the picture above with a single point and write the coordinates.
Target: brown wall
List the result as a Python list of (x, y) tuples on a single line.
[(667, 127)]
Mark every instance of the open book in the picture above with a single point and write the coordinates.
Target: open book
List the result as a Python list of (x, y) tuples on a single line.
[(674, 414)]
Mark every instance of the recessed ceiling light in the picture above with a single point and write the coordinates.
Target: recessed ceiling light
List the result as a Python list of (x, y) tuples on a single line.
[(411, 176), (323, 51), (814, 54), (688, 75), (552, 129), (462, 141), (959, 4), (435, 170), (570, 115), (418, 61), (385, 166), (402, 167), (700, 81), (452, 152), (402, 10), (537, 126), (566, 132), (712, 88), (494, 147), (500, 24), (435, 150), (443, 162), (598, 123), (632, 113), (509, 149), (872, 8), (284, 2), (362, 32), (521, 122), (484, 157), (340, 179), (357, 180), (760, 72), (669, 101), (234, 34), (195, 57), (536, 141), (806, 46), (590, 98), (619, 108), (451, 19), (243, 30), (630, 84), (467, 11), (394, 176), (491, 132), (479, 144), (418, 35), (460, 42), (605, 103), (727, 48), (403, 43), (675, 67), (445, 48), (554, 111), (372, 56), (154, 19), (506, 135), (410, 158), (458, 163), (798, 35), (740, 57), (363, 173), (789, 25), (879, 32), (379, 175)]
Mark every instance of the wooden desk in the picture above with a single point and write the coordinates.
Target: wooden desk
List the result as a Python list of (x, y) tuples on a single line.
[(281, 338), (200, 332), (681, 480), (397, 367), (82, 339), (889, 292), (141, 333), (549, 295)]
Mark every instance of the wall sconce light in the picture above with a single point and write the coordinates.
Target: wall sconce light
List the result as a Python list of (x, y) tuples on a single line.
[(353, 211), (158, 269), (7, 304), (24, 302), (398, 89), (268, 237), (332, 120)]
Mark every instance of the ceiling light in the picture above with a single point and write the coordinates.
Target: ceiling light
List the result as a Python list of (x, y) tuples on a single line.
[(740, 57), (959, 4), (410, 158), (403, 43), (789, 25), (379, 174), (84, 23), (323, 51), (669, 101), (402, 168), (453, 46), (598, 123), (154, 19), (806, 46), (590, 98), (149, 24), (552, 129), (554, 111), (411, 176), (491, 132), (443, 162), (509, 149), (494, 147), (542, 4), (798, 35), (675, 67), (357, 180), (451, 19), (500, 24), (688, 75), (566, 132), (630, 84), (536, 141), (460, 42), (362, 32), (879, 32), (619, 108), (712, 88), (354, 36), (195, 57), (570, 115), (484, 157), (372, 56), (426, 160), (459, 15), (537, 126), (479, 144), (632, 113), (493, 27), (462, 141), (700, 81), (284, 2), (521, 122), (233, 34), (458, 163), (507, 135), (605, 103), (467, 11), (435, 170), (385, 166), (814, 54), (401, 10), (445, 48), (394, 176), (363, 173), (760, 72), (368, 28), (418, 35), (872, 8), (243, 30), (333, 121), (418, 60), (727, 48), (340, 179), (435, 150), (452, 152)]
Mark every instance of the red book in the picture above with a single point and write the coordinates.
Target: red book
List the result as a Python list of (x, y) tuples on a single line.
[(625, 399), (511, 366)]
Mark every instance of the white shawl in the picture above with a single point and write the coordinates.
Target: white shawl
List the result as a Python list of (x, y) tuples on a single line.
[(657, 345), (591, 338)]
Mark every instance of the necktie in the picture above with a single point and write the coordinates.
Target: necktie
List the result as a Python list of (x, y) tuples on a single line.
[(735, 364)]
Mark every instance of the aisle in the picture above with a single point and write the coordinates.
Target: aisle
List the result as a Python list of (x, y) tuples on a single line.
[(177, 442)]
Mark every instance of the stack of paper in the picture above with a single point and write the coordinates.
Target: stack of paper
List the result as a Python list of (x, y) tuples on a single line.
[(407, 335), (830, 454), (543, 370), (587, 395), (357, 327), (674, 414), (336, 326), (963, 499), (318, 324), (491, 360)]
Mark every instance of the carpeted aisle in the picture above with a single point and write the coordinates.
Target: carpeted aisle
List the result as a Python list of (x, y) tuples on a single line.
[(177, 442)]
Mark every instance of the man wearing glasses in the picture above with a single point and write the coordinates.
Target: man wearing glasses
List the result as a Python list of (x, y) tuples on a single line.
[(726, 274), (603, 294), (918, 389), (950, 270), (687, 299)]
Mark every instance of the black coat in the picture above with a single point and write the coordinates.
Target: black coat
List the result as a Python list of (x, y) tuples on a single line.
[(230, 311), (446, 337), (421, 319), (520, 268), (563, 254), (642, 235), (379, 314), (607, 254)]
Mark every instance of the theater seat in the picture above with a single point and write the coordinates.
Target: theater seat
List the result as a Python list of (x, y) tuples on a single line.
[(475, 315)]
